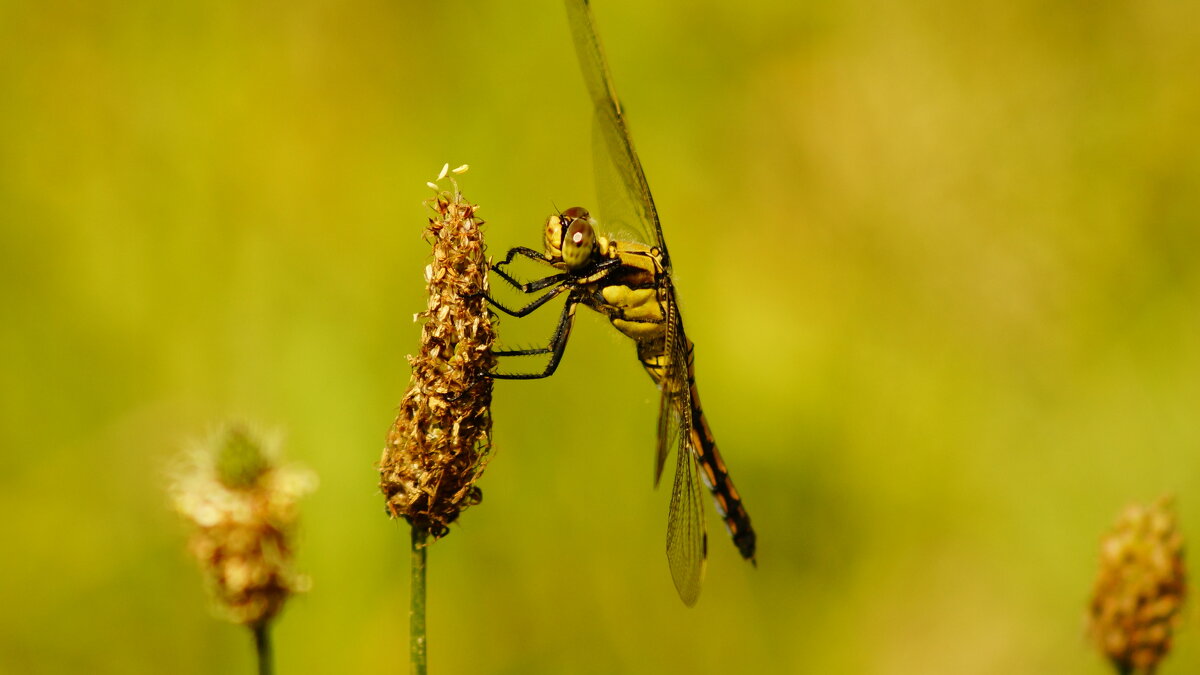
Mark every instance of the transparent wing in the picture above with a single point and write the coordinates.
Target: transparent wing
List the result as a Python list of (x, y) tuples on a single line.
[(674, 411), (626, 206), (625, 209), (687, 542), (669, 431)]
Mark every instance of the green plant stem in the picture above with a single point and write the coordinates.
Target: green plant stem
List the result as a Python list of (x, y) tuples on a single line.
[(262, 646), (416, 612)]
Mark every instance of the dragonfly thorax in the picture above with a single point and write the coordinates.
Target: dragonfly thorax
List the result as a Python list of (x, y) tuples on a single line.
[(571, 237)]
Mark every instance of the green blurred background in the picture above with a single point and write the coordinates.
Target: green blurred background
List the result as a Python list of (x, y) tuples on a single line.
[(939, 259)]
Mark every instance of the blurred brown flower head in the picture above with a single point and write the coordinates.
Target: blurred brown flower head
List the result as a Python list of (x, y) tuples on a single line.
[(242, 502), (1140, 588), (438, 446)]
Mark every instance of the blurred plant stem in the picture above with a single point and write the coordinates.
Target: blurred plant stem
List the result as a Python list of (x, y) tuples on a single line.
[(416, 612), (262, 647)]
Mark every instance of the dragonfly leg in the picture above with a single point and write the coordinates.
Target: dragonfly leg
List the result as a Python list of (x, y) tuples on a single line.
[(526, 287), (533, 306), (599, 272), (595, 273), (556, 348), (532, 286), (525, 251), (498, 268)]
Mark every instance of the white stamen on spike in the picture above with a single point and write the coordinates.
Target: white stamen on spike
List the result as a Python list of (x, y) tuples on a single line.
[(461, 170), (432, 184), (445, 168)]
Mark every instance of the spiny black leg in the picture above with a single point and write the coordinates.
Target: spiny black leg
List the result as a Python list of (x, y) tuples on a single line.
[(557, 341), (522, 250), (531, 307), (598, 272), (556, 348), (508, 258), (595, 273), (532, 286)]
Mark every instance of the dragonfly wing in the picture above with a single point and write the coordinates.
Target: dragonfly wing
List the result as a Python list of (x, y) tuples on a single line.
[(624, 195), (669, 432), (591, 54), (625, 205), (674, 408), (687, 542)]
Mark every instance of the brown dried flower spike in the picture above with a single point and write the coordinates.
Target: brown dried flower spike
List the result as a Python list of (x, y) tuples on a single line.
[(438, 446), (243, 505), (1140, 588)]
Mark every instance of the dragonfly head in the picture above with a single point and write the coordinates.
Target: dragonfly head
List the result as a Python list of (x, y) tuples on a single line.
[(571, 237)]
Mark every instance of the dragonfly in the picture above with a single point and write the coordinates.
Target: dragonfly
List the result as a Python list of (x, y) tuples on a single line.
[(627, 277)]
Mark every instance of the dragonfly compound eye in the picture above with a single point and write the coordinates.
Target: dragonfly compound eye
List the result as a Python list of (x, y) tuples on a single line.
[(575, 212), (578, 244)]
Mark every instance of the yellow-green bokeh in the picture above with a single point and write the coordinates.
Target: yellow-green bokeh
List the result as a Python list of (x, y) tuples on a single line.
[(939, 260)]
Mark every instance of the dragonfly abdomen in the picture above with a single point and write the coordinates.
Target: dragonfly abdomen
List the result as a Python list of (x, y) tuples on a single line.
[(657, 363), (716, 478)]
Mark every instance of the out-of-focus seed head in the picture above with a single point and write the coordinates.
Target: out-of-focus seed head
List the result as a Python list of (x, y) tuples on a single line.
[(243, 505), (241, 461), (439, 444), (1140, 588)]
